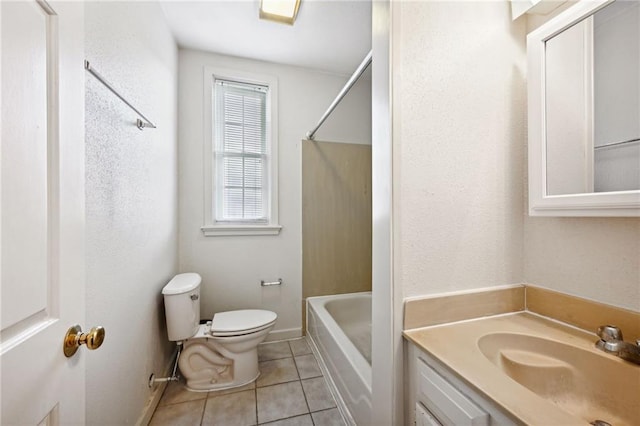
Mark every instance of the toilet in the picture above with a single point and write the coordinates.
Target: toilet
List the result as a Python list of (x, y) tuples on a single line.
[(221, 354)]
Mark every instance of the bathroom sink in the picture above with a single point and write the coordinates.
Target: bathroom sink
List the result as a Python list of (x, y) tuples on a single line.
[(585, 383)]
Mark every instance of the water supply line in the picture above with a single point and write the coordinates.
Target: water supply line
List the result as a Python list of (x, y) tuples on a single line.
[(153, 380)]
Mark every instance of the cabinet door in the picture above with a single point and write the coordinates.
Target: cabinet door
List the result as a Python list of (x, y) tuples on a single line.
[(448, 403)]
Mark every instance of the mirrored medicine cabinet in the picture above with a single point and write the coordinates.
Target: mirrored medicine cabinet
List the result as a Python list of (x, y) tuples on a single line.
[(584, 111)]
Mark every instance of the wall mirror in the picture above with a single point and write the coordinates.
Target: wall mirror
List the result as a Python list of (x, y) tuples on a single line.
[(584, 111)]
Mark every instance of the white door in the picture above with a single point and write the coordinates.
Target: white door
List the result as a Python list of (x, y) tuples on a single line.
[(42, 204)]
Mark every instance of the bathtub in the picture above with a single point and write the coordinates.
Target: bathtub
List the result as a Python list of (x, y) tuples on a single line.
[(340, 329)]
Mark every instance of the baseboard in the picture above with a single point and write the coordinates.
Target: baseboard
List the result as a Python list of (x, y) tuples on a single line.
[(288, 333), (154, 400)]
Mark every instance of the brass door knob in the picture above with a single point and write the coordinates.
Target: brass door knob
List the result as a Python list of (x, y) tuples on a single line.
[(75, 338)]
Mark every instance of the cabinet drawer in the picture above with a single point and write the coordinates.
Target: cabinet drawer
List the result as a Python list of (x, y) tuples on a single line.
[(424, 417), (445, 401)]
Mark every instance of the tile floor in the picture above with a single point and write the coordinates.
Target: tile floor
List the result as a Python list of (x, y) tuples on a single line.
[(290, 391)]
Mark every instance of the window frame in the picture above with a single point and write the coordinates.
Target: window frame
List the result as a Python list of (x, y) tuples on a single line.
[(213, 227)]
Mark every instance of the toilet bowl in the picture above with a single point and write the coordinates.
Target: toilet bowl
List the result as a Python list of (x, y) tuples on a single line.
[(221, 354)]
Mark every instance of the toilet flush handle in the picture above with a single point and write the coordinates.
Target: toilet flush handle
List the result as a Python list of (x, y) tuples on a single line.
[(194, 297)]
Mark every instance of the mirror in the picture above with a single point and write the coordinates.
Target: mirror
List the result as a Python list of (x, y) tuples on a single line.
[(592, 103), (584, 111)]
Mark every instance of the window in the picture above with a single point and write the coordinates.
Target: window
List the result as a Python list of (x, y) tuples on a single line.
[(240, 152), (240, 173)]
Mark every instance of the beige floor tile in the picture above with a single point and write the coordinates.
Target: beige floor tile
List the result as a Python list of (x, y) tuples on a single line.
[(176, 392), (277, 371), (307, 366), (182, 414), (328, 418), (235, 409), (293, 421), (277, 350), (317, 394), (299, 346), (280, 402)]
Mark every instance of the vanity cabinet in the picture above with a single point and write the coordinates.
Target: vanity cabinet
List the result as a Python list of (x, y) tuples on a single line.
[(435, 396)]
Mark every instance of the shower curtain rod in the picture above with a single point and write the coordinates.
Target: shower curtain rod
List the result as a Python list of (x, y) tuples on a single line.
[(356, 75)]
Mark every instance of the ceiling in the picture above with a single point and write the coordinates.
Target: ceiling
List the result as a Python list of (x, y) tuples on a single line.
[(328, 35)]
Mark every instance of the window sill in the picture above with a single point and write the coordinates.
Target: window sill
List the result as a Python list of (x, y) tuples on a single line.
[(236, 230)]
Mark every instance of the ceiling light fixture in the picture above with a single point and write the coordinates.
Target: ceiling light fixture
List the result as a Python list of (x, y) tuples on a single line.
[(283, 11)]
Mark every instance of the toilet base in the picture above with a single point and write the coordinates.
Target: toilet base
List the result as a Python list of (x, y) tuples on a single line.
[(223, 386), (211, 363)]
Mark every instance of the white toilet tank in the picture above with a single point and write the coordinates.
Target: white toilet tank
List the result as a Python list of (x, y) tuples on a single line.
[(182, 305)]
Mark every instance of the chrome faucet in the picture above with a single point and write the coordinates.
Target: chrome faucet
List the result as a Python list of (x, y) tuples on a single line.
[(611, 342)]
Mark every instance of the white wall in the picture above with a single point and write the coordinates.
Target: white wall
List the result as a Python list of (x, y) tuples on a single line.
[(232, 267), (596, 258), (459, 130), (131, 204)]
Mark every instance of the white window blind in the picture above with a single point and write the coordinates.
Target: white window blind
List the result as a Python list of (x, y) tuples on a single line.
[(241, 152)]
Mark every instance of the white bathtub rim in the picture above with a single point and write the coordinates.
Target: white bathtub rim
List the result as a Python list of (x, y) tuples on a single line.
[(340, 295), (360, 363), (357, 362), (333, 389), (346, 366)]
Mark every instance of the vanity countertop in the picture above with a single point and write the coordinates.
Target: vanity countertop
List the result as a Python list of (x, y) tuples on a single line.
[(457, 346)]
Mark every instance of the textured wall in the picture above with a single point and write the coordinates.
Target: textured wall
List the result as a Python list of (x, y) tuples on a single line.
[(596, 258), (232, 267), (131, 204), (459, 130)]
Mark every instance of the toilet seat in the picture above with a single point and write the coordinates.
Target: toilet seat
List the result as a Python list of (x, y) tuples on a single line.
[(241, 322)]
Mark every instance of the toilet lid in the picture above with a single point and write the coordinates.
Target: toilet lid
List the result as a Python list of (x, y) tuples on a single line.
[(182, 283), (241, 321)]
